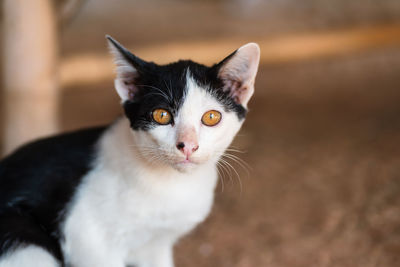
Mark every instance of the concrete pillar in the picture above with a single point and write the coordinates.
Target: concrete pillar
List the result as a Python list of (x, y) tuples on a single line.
[(30, 76)]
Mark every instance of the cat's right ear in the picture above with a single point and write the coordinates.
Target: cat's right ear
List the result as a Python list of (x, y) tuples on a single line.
[(238, 72), (128, 68)]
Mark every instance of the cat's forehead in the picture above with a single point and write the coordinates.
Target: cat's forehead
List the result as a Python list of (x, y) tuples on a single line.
[(169, 84), (177, 72)]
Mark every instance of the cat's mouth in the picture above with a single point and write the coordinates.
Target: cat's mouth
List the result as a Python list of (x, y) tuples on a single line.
[(190, 161), (186, 161), (185, 164)]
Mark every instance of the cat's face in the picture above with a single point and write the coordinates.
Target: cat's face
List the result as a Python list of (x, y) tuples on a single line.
[(185, 114)]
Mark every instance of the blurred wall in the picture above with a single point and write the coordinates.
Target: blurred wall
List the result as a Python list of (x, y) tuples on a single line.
[(30, 71), (164, 31)]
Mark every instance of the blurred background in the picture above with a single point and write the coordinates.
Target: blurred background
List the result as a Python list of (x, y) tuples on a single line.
[(322, 139)]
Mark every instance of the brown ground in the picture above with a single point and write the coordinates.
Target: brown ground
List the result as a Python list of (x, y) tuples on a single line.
[(322, 141)]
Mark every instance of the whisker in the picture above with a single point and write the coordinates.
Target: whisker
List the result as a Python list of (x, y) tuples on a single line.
[(160, 92), (226, 170), (235, 150), (221, 178), (169, 90), (237, 174), (245, 166)]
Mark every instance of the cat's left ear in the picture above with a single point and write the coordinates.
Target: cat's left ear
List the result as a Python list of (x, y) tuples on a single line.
[(238, 72), (128, 67)]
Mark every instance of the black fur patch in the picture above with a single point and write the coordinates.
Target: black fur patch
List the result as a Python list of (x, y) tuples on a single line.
[(159, 87), (165, 87), (214, 85), (36, 183)]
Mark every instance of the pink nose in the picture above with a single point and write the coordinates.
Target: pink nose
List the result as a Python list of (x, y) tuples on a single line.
[(187, 148)]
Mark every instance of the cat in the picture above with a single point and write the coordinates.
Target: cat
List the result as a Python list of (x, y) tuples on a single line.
[(123, 194)]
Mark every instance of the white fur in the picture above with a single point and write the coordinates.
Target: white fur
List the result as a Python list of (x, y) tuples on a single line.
[(132, 208), (29, 256)]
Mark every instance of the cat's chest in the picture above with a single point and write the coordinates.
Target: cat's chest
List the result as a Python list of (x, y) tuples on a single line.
[(132, 214), (169, 208), (170, 204)]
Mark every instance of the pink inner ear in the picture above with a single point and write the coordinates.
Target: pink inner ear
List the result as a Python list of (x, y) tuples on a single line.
[(130, 86), (235, 89)]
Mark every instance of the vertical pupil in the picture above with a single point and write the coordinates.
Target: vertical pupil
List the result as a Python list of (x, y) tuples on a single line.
[(211, 115)]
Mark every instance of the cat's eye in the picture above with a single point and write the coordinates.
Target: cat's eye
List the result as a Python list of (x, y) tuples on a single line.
[(162, 116), (211, 118)]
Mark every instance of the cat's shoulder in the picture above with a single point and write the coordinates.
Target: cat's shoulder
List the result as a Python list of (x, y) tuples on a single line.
[(62, 144), (50, 160)]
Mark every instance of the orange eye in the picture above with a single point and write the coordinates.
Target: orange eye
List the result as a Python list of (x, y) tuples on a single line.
[(211, 118), (162, 116)]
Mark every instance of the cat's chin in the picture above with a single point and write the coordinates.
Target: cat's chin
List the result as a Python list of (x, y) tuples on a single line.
[(185, 166)]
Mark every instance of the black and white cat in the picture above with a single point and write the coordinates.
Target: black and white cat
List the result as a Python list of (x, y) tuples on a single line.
[(122, 195)]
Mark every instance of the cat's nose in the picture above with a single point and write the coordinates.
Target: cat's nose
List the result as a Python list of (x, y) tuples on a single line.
[(187, 148)]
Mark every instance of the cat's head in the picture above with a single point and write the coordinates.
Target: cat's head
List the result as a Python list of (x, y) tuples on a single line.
[(185, 114)]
